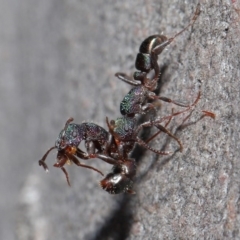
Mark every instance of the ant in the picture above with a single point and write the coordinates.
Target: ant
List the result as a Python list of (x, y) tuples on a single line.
[(136, 101)]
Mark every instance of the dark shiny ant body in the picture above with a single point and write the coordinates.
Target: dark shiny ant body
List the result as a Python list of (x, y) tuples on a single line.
[(151, 47), (137, 99)]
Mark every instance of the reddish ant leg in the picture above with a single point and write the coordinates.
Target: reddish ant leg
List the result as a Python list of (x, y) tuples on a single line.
[(157, 133), (145, 145), (209, 114), (77, 162), (67, 177)]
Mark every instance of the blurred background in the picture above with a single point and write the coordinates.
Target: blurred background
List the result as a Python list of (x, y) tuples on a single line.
[(57, 60)]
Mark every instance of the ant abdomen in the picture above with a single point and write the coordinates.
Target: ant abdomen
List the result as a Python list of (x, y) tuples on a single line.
[(120, 179), (146, 57), (115, 183), (151, 42)]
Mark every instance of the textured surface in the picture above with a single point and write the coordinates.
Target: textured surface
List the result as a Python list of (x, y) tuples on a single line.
[(58, 59)]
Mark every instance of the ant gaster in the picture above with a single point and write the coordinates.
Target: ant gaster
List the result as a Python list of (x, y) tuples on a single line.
[(121, 178)]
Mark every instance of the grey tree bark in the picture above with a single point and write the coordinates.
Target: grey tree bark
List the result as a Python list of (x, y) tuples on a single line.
[(58, 60)]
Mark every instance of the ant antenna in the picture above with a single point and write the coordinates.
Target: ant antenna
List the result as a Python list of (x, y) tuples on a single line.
[(196, 14), (41, 162)]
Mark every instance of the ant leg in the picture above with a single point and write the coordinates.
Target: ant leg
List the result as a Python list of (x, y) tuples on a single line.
[(208, 114), (165, 99), (157, 124), (127, 79), (76, 161), (105, 158), (61, 160), (149, 107), (110, 125), (163, 129), (41, 162), (145, 145), (152, 95), (90, 146), (82, 154), (91, 149), (157, 121), (158, 49), (157, 133), (151, 84), (66, 174)]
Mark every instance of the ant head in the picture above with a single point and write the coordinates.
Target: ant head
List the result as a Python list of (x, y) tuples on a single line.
[(68, 138), (115, 183)]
